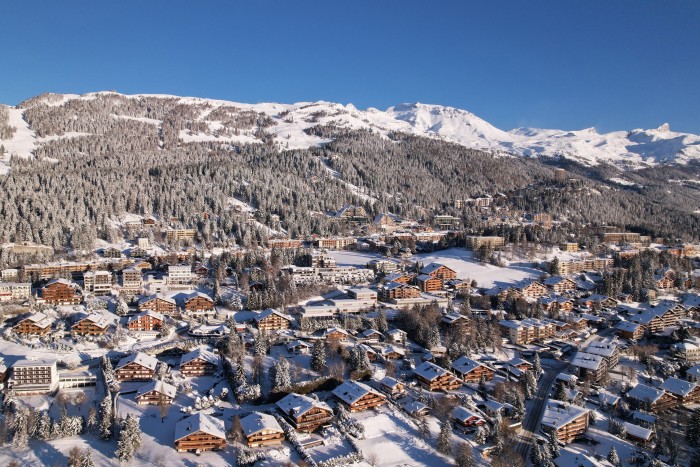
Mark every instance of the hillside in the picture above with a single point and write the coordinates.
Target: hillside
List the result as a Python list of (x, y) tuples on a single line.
[(85, 161)]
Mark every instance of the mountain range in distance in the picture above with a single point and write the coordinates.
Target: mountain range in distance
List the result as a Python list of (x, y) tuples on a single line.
[(288, 124)]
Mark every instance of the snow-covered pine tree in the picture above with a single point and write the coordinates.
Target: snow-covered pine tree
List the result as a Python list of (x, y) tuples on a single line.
[(693, 431), (239, 378), (43, 429), (129, 439), (561, 393), (318, 356), (537, 366), (87, 460), (553, 444), (444, 444), (283, 381), (613, 457), (382, 325), (106, 417), (529, 385), (20, 438)]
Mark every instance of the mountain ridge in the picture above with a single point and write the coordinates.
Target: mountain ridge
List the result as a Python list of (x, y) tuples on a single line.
[(288, 126)]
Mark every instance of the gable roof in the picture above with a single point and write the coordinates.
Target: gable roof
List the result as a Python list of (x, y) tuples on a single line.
[(143, 314), (157, 296), (269, 312), (199, 353), (39, 319), (352, 391), (678, 387), (465, 365), (256, 422), (139, 358), (158, 386), (432, 267), (430, 371), (200, 422), (99, 320), (644, 393), (297, 404)]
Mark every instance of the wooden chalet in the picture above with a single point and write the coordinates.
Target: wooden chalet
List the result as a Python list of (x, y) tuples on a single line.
[(146, 321), (568, 421), (356, 396), (336, 334), (199, 362), (465, 419), (455, 322), (439, 271), (397, 277), (272, 320), (199, 304), (398, 290), (200, 432), (559, 284), (530, 289), (156, 393), (61, 292), (36, 324), (136, 367), (261, 430), (392, 353), (428, 283), (651, 399), (304, 413), (683, 392), (158, 303), (630, 330), (93, 324), (436, 378), (393, 387), (472, 371)]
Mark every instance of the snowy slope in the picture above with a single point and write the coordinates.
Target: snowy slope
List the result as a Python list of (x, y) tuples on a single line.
[(628, 150)]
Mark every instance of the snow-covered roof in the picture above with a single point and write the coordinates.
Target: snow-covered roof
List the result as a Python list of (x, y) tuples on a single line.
[(607, 398), (390, 348), (200, 422), (644, 393), (371, 332), (270, 311), (139, 358), (604, 348), (152, 314), (568, 458), (395, 285), (194, 295), (390, 382), (99, 320), (158, 386), (392, 277), (638, 431), (557, 414), (694, 371), (432, 267), (463, 414), (678, 387), (628, 326), (39, 319), (464, 365), (587, 360), (199, 353), (643, 417), (157, 296), (298, 404), (352, 391), (30, 362), (429, 371), (256, 422)]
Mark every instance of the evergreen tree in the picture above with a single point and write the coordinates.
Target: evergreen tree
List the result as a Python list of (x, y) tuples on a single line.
[(86, 460), (693, 431), (382, 325), (561, 394), (106, 417), (537, 366), (553, 444), (129, 439), (43, 430), (444, 444), (239, 377), (20, 438), (481, 435), (613, 457), (318, 356), (424, 428), (529, 385), (283, 381)]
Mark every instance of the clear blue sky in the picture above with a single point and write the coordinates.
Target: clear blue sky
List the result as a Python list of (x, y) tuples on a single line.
[(615, 65)]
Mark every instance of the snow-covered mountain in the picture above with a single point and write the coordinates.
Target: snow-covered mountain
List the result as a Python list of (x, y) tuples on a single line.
[(287, 123)]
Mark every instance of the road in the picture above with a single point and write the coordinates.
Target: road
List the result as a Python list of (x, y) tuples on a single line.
[(534, 414)]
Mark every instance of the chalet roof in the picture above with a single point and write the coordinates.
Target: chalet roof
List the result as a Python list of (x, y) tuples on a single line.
[(199, 353), (692, 301), (430, 371), (413, 406), (298, 404), (464, 365), (39, 319), (390, 382), (678, 387), (432, 267), (518, 361), (425, 277), (496, 290), (139, 358), (390, 348), (158, 386), (396, 285), (298, 343), (371, 332), (463, 414), (99, 320), (451, 318), (60, 280), (352, 391), (694, 371), (157, 296), (604, 348), (554, 280), (392, 277), (200, 422), (525, 283), (597, 298), (628, 326), (194, 295), (643, 417), (570, 458), (608, 398), (335, 329), (256, 422), (558, 414), (638, 431), (152, 314), (645, 393), (392, 332), (587, 361), (269, 312)]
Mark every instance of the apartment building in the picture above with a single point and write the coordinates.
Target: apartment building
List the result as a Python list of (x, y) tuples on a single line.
[(33, 377), (568, 421), (97, 282)]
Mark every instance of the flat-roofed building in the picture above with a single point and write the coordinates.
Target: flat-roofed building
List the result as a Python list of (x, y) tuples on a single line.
[(34, 377)]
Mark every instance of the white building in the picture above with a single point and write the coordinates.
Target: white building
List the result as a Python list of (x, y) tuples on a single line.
[(97, 282), (15, 291), (179, 277), (34, 377)]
